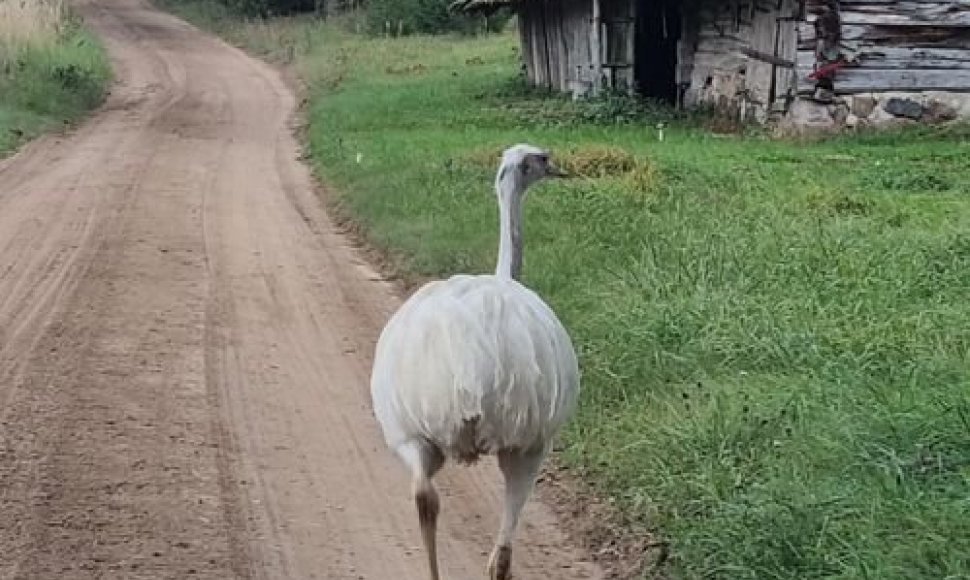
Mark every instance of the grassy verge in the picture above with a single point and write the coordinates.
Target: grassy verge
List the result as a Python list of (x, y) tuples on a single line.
[(774, 336), (51, 69)]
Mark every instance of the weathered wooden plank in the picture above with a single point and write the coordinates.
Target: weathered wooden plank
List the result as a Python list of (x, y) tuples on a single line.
[(883, 3), (542, 45), (525, 36), (850, 81), (917, 10), (759, 75), (895, 18), (900, 36), (803, 84), (901, 59), (554, 45), (596, 45), (768, 58), (561, 47), (686, 49), (901, 53), (720, 43), (539, 47), (631, 44), (577, 20), (787, 49), (875, 60)]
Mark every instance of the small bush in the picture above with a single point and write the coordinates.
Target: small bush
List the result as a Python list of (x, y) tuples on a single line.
[(613, 107), (536, 106)]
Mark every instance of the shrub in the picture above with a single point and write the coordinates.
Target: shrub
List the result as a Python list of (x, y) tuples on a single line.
[(405, 17), (267, 8)]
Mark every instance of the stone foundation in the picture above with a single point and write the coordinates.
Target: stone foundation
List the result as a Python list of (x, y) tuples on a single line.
[(879, 110)]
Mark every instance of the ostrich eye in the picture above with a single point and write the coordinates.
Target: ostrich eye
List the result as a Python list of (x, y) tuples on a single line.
[(537, 163)]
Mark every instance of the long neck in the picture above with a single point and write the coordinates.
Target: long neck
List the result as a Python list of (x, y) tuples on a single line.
[(510, 193)]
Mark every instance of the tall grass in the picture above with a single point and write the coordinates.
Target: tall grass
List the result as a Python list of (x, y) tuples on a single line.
[(775, 337), (51, 69), (32, 23)]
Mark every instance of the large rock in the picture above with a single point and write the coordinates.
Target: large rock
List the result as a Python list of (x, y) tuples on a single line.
[(906, 108), (959, 101), (862, 107), (806, 117), (839, 113), (883, 119), (939, 112)]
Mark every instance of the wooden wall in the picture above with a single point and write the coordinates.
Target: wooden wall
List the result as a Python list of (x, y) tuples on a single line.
[(894, 45), (754, 56), (739, 54), (556, 44), (729, 54)]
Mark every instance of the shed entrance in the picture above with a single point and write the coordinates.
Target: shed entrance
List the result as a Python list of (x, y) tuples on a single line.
[(658, 32)]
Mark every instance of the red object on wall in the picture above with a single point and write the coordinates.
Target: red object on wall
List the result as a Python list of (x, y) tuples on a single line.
[(828, 71)]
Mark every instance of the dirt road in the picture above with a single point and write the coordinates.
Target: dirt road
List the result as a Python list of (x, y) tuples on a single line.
[(185, 343)]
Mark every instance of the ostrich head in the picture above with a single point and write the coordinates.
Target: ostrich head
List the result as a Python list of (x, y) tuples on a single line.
[(522, 166)]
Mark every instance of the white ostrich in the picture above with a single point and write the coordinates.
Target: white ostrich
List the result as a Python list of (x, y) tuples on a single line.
[(478, 365)]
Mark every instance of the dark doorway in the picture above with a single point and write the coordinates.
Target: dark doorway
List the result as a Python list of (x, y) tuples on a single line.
[(658, 30)]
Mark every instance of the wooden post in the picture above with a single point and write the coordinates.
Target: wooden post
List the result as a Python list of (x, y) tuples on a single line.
[(631, 48), (596, 47)]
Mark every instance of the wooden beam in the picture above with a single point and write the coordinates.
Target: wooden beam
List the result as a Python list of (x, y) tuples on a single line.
[(858, 80), (596, 46), (769, 58)]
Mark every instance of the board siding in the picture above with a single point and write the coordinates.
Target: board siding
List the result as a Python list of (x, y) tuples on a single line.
[(756, 55)]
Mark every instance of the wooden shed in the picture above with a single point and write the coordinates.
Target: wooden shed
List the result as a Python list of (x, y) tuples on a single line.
[(757, 58)]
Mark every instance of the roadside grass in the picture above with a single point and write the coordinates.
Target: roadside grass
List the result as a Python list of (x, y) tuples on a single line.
[(774, 335), (51, 69)]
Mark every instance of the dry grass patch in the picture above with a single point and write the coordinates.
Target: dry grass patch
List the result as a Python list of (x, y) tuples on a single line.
[(588, 162), (33, 23)]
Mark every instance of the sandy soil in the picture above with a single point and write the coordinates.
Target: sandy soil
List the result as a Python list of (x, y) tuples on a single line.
[(185, 343)]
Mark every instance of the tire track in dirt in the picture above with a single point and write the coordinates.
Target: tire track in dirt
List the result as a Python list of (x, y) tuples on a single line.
[(185, 343)]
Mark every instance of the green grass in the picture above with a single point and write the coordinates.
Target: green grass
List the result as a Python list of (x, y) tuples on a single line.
[(774, 336), (49, 84)]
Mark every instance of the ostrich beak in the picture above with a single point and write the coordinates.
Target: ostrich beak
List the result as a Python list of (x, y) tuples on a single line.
[(556, 171)]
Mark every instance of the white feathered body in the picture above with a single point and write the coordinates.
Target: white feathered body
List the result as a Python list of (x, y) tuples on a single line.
[(474, 365)]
